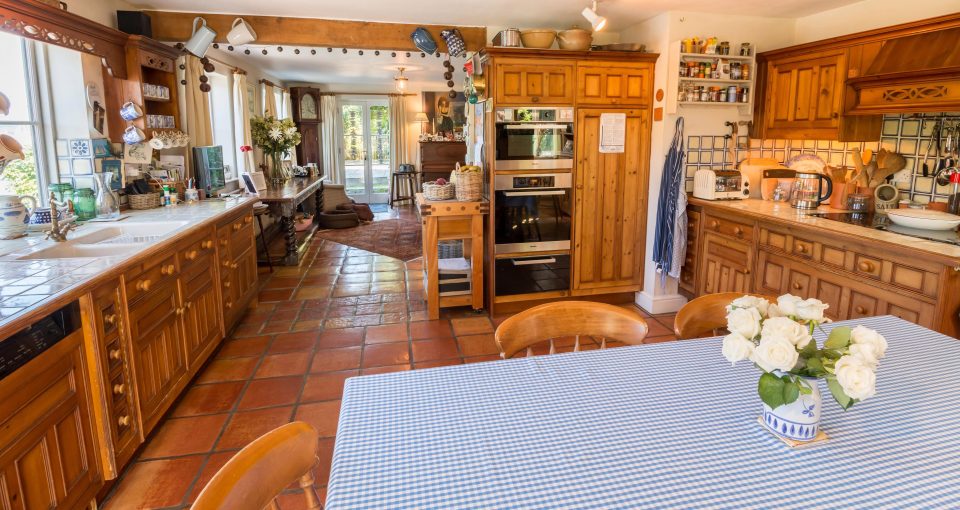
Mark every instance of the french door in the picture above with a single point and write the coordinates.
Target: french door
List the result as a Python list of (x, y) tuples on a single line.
[(366, 149)]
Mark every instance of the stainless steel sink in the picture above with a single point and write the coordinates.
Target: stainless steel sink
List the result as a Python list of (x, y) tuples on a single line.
[(113, 241), (71, 250)]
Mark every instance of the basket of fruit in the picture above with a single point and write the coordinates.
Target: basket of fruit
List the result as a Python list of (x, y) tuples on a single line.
[(469, 181), (439, 190)]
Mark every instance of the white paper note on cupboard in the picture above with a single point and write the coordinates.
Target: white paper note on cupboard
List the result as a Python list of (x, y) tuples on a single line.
[(613, 132)]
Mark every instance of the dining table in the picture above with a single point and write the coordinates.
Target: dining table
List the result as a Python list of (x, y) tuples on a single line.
[(663, 425)]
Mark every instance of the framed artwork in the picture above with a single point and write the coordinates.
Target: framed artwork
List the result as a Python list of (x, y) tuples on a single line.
[(137, 154), (445, 115), (114, 166), (102, 148)]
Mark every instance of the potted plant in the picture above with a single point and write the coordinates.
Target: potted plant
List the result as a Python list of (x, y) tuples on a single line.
[(778, 339), (276, 138)]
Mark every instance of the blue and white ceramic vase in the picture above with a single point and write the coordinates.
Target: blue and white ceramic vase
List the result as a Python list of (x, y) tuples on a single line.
[(800, 420)]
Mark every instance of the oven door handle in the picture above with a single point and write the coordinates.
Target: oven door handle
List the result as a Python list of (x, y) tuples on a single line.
[(530, 262), (514, 127), (533, 193)]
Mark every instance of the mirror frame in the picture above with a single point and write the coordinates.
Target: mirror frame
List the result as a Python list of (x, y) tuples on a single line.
[(41, 22)]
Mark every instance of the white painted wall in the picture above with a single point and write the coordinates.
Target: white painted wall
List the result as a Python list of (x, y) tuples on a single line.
[(659, 33), (101, 11), (867, 15)]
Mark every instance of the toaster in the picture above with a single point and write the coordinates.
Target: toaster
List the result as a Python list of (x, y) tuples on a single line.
[(720, 185)]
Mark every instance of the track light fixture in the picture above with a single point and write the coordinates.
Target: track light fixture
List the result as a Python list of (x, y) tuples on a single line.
[(597, 21)]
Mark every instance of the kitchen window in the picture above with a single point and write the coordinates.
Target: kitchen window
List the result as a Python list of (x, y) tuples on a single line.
[(224, 121), (20, 85)]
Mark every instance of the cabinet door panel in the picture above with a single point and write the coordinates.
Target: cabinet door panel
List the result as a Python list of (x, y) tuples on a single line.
[(613, 84), (201, 315), (804, 94), (831, 293), (727, 265), (773, 273), (524, 84), (610, 199)]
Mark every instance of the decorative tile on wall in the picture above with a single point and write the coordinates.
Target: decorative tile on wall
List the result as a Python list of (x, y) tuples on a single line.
[(909, 135)]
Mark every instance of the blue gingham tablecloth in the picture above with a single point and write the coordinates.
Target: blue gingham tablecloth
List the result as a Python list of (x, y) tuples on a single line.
[(667, 425)]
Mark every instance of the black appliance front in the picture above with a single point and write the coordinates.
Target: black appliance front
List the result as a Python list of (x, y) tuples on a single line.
[(532, 212), (528, 275)]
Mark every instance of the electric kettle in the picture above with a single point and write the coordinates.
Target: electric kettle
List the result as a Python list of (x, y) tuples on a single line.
[(808, 190)]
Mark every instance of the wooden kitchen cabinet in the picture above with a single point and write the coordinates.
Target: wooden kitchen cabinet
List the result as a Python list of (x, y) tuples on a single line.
[(726, 264), (614, 84), (238, 266), (521, 82), (610, 200), (48, 456), (688, 273), (804, 94), (202, 317)]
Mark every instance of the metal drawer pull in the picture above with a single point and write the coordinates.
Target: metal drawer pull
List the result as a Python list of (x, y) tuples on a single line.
[(530, 262), (533, 193)]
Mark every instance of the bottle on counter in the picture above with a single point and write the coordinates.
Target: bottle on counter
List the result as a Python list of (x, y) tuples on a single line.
[(953, 204)]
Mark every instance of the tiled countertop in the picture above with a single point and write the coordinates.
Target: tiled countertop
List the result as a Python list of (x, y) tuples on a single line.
[(782, 212), (32, 288)]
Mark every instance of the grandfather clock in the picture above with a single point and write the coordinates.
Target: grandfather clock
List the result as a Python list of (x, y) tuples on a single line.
[(306, 114)]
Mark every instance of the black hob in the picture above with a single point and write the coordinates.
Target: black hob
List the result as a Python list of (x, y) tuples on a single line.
[(881, 222)]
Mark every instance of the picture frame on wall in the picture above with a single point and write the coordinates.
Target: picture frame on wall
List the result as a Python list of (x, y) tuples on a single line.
[(114, 166), (445, 115)]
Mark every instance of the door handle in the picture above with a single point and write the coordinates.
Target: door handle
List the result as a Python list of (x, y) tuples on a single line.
[(530, 262)]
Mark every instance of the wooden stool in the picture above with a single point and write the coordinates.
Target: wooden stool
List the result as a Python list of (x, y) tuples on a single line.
[(401, 178), (258, 211)]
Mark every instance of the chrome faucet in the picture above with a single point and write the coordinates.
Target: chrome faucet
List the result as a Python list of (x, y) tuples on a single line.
[(58, 232)]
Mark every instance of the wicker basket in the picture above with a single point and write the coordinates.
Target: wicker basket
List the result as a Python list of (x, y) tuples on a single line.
[(145, 201), (438, 191), (469, 185)]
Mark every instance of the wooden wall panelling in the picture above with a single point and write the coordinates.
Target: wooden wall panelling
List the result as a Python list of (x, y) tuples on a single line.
[(276, 30)]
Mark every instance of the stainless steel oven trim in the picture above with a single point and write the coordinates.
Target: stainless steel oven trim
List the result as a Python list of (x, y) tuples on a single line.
[(534, 193), (534, 164), (532, 247), (562, 112), (510, 126), (504, 182), (530, 262)]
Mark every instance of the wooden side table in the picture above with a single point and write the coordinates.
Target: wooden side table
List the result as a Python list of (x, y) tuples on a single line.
[(446, 221)]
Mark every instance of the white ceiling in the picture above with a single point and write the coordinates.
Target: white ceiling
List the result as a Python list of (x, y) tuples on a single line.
[(340, 70)]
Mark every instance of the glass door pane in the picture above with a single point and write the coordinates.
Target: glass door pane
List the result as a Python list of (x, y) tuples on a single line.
[(379, 114), (354, 149)]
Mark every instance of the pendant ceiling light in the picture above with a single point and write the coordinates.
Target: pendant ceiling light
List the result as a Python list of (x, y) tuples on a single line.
[(401, 81), (597, 21)]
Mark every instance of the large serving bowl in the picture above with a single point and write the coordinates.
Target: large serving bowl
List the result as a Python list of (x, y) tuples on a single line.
[(538, 38), (925, 219), (575, 39)]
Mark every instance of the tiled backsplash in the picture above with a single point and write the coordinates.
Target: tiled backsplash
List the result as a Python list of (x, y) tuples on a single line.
[(907, 134)]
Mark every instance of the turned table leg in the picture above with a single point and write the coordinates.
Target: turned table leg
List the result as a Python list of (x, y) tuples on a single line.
[(318, 203), (289, 228)]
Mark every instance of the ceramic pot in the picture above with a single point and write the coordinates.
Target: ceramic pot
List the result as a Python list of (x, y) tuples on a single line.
[(800, 420), (14, 215), (43, 216), (575, 39), (540, 39)]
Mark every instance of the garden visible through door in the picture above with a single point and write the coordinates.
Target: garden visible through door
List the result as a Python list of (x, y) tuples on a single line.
[(366, 149)]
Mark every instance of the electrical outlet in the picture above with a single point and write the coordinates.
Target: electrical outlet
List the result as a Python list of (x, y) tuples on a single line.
[(903, 176)]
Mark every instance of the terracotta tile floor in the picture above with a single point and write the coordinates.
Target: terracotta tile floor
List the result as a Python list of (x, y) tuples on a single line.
[(316, 325)]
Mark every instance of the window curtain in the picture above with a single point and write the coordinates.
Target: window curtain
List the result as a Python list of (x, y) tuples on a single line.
[(241, 98), (398, 135), (269, 103), (197, 121), (288, 113), (331, 138)]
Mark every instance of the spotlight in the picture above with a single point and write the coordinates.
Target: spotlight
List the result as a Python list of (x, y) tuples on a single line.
[(597, 21)]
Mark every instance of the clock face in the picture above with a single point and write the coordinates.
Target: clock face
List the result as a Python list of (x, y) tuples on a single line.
[(308, 107)]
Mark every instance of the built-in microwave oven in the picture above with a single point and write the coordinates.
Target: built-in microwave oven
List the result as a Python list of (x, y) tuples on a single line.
[(534, 138)]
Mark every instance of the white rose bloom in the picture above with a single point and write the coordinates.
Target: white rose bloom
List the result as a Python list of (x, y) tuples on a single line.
[(787, 304), (737, 348), (750, 302), (868, 341), (775, 352), (745, 321), (291, 131), (811, 310), (857, 378), (774, 311), (798, 334), (276, 133)]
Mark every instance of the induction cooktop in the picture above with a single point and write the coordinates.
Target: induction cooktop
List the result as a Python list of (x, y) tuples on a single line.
[(881, 222)]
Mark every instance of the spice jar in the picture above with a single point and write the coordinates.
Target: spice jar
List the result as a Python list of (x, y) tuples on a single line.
[(745, 95), (704, 94), (858, 202), (745, 72), (732, 96)]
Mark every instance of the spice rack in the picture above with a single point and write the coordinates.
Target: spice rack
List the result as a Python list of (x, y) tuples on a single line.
[(703, 87)]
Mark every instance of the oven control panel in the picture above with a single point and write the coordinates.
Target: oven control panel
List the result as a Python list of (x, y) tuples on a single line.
[(539, 181)]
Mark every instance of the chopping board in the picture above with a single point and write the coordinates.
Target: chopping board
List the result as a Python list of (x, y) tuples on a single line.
[(752, 169)]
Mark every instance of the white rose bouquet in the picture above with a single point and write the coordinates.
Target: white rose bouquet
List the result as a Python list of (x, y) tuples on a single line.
[(275, 137), (778, 339)]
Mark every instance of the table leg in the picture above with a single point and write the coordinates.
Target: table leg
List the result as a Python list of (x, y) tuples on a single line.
[(476, 261), (430, 233), (289, 229), (318, 202)]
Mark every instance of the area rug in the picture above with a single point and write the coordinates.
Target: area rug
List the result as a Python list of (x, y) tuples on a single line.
[(395, 238), (379, 207)]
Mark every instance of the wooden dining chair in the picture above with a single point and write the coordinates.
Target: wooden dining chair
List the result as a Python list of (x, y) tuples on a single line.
[(565, 319), (257, 474), (707, 315)]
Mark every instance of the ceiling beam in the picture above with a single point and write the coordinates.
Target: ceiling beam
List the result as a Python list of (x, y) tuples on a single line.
[(272, 30)]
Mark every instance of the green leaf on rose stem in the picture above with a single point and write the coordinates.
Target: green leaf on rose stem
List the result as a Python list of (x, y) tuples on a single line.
[(804, 390), (831, 354), (791, 392), (770, 389), (839, 338), (809, 350), (815, 366), (842, 398)]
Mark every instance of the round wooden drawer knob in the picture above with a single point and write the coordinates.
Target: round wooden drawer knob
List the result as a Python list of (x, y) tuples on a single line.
[(797, 285), (802, 248), (226, 285), (715, 224), (223, 242), (738, 231), (118, 389), (228, 305), (206, 245), (179, 311), (167, 270), (115, 354), (236, 226), (123, 421), (110, 318), (247, 219), (860, 310), (866, 266), (143, 285), (191, 255)]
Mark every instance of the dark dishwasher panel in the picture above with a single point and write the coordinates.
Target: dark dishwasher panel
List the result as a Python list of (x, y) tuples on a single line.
[(526, 275), (28, 343)]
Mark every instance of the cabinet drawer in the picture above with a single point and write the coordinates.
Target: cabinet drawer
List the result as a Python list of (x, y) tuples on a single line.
[(869, 266), (197, 250), (139, 281), (156, 62), (728, 227), (802, 248)]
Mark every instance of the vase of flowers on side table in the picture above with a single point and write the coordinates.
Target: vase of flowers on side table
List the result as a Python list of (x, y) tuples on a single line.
[(778, 339), (276, 138)]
